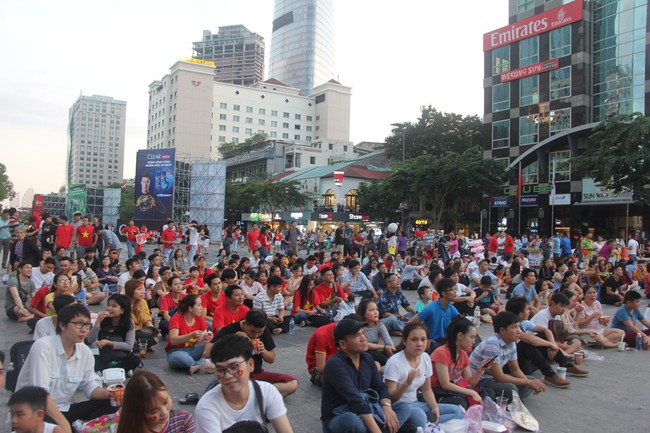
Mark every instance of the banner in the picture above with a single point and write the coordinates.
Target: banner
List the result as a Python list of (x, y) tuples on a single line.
[(76, 200), (338, 178), (500, 201), (559, 199), (537, 68), (154, 184), (529, 201), (38, 205), (593, 192)]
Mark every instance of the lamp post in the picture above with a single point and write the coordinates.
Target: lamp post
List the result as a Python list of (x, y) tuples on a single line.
[(401, 126)]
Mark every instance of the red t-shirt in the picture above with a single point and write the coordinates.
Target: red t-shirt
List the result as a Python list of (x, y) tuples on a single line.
[(326, 293), (321, 341), (130, 233), (443, 356), (191, 291), (169, 236), (211, 304), (202, 277), (64, 236), (297, 300), (251, 238), (178, 322), (85, 235), (509, 245), (167, 303), (264, 241), (38, 301), (222, 316)]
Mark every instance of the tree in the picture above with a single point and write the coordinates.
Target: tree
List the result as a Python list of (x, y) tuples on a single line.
[(6, 186), (435, 133), (127, 202), (251, 141), (262, 196), (379, 200), (619, 156)]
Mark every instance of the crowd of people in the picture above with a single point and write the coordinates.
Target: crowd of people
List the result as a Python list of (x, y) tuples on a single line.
[(221, 319)]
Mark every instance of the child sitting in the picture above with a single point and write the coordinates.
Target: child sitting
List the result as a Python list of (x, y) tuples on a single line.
[(626, 317), (426, 295), (486, 300), (27, 407)]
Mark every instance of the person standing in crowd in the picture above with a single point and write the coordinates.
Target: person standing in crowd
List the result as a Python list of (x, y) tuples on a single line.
[(86, 237), (5, 237), (130, 231), (23, 250)]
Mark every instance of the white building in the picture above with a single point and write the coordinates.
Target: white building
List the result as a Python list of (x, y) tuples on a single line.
[(96, 131)]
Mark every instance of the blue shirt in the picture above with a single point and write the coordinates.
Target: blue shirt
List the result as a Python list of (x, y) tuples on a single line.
[(389, 303), (623, 314), (360, 285), (488, 300), (343, 383), (527, 326), (565, 244), (521, 290), (557, 249), (437, 318)]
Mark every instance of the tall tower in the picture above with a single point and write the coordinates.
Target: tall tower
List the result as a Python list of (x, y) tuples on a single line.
[(302, 43), (237, 52), (96, 131)]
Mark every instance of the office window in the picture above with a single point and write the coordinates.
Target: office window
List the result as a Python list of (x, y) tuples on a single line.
[(500, 134), (235, 129), (528, 51), (285, 115), (561, 120), (223, 105), (529, 90), (312, 160), (222, 138), (560, 41), (236, 107), (235, 140), (261, 111), (308, 138), (530, 173), (274, 112), (235, 118), (528, 130), (285, 125), (249, 109), (525, 5), (298, 116), (249, 120), (308, 128), (249, 131), (501, 97), (222, 127), (285, 135), (500, 60), (562, 166), (309, 118), (296, 127), (274, 123), (560, 83), (261, 122), (274, 134), (222, 116), (331, 146)]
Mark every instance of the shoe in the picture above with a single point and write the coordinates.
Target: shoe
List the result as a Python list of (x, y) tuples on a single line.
[(557, 381), (190, 398), (302, 323), (577, 372)]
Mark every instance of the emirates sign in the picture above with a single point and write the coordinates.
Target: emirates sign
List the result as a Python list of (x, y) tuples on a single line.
[(542, 23)]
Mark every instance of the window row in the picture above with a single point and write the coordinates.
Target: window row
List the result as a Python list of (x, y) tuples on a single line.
[(559, 166), (559, 120), (286, 115), (559, 87)]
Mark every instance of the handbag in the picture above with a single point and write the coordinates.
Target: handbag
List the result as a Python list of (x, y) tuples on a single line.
[(251, 426), (372, 398), (108, 354)]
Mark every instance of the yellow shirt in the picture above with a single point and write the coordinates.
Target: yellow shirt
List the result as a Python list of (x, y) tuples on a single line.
[(140, 314)]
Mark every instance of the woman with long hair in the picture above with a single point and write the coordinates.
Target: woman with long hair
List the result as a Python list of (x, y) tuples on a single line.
[(380, 345), (114, 333), (592, 319), (306, 309), (178, 263), (452, 381), (143, 324), (409, 370), (147, 408), (244, 265), (186, 330), (107, 275)]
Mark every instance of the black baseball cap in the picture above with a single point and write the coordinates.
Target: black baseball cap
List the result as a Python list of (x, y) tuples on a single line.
[(349, 325)]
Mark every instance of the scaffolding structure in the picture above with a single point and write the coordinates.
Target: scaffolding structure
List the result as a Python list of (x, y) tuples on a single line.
[(94, 201), (54, 204), (182, 182), (207, 197), (111, 211)]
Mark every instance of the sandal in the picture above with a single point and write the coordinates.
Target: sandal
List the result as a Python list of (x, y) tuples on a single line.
[(190, 398)]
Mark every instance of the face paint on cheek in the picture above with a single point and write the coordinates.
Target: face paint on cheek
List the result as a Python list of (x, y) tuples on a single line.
[(240, 373), (153, 418)]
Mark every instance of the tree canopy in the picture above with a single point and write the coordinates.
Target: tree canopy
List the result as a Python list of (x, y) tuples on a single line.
[(6, 186), (226, 148), (263, 196), (619, 156)]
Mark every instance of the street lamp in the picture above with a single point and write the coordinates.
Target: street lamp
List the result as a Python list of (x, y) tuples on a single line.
[(401, 126)]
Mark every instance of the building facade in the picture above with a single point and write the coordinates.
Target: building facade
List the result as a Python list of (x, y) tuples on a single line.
[(237, 52), (302, 43), (557, 70), (96, 132)]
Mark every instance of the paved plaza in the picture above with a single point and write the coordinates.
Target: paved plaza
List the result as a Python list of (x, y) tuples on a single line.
[(614, 397)]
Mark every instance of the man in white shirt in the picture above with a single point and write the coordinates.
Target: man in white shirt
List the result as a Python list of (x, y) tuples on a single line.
[(193, 240), (132, 265), (272, 303), (62, 364), (43, 275), (237, 398), (632, 248), (47, 325)]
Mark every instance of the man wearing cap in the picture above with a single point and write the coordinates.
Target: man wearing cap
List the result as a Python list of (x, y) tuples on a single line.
[(348, 374)]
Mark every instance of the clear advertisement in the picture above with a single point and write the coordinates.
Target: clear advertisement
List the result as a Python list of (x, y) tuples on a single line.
[(154, 184), (76, 201)]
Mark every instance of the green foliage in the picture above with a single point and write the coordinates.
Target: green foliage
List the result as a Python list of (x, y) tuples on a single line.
[(226, 148), (262, 195), (435, 133), (6, 186), (380, 200), (619, 156), (127, 202)]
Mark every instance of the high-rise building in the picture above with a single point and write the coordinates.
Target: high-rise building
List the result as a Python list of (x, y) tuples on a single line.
[(557, 70), (302, 43), (237, 53), (96, 131)]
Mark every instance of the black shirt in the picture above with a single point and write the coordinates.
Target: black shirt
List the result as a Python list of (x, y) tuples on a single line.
[(266, 338)]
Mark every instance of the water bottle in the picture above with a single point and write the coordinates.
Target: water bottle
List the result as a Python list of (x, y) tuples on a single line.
[(292, 326), (477, 316), (106, 290), (639, 342)]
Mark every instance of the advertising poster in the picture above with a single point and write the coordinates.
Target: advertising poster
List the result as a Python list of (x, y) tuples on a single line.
[(38, 204), (154, 184), (76, 200)]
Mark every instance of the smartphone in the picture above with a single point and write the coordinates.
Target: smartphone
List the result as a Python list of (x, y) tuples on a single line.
[(487, 364)]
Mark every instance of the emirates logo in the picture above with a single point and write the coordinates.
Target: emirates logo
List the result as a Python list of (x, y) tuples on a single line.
[(196, 83), (560, 14)]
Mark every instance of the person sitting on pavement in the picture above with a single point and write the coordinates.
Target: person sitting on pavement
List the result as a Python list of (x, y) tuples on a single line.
[(350, 380), (486, 300), (625, 319), (170, 302), (143, 323), (501, 348), (408, 371), (320, 348), (238, 398), (47, 326), (19, 291), (329, 291), (306, 308), (357, 283), (465, 297), (376, 332), (439, 314), (63, 364), (186, 335), (271, 302), (254, 328), (389, 304), (592, 319), (233, 310), (557, 307), (27, 408), (537, 348), (526, 290)]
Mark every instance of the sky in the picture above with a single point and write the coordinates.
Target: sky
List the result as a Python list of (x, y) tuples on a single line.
[(396, 56)]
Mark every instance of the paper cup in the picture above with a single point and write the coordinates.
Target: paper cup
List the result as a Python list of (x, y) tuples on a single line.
[(116, 392), (502, 402), (621, 346), (561, 372), (579, 357), (143, 350)]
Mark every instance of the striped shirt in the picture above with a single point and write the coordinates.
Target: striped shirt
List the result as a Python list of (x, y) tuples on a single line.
[(490, 347), (180, 422)]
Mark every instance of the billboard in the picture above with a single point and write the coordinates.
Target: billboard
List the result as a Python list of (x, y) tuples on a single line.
[(154, 184), (38, 204), (76, 199)]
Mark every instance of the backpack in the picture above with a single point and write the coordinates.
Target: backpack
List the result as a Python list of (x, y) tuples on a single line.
[(17, 354)]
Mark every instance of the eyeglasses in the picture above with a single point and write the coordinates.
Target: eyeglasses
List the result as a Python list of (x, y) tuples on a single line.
[(81, 325), (232, 369)]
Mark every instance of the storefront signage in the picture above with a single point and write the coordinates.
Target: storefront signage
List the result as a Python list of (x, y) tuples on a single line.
[(296, 215), (592, 192), (325, 216), (258, 216), (500, 201), (277, 217), (537, 68), (541, 188), (538, 24), (424, 222), (341, 216), (357, 217), (338, 178), (559, 199), (529, 201)]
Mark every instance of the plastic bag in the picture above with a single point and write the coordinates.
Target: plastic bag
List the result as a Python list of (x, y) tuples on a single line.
[(102, 424), (474, 416), (492, 412), (521, 415), (433, 428), (592, 356)]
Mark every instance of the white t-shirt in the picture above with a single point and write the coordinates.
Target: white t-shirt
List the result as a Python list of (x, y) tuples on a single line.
[(471, 267), (44, 328), (40, 279), (632, 247), (542, 318), (121, 281), (194, 236), (397, 369), (49, 428), (213, 414)]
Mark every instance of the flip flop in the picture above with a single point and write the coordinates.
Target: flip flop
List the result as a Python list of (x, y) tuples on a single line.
[(190, 398)]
